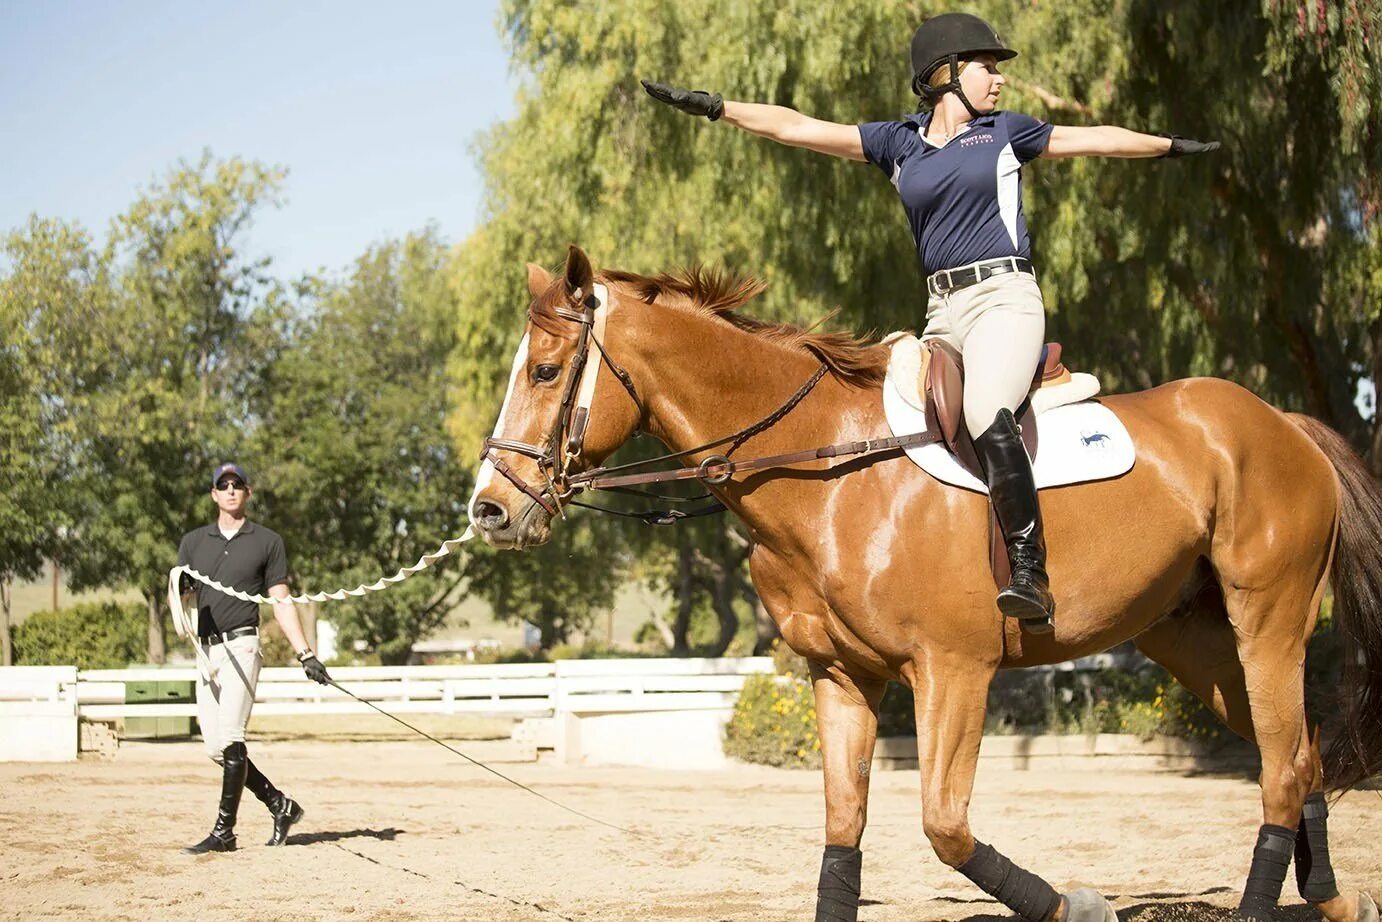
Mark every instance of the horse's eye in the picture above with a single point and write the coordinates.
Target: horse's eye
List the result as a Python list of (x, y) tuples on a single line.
[(545, 373)]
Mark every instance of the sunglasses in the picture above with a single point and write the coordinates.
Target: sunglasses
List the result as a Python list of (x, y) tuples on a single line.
[(228, 484)]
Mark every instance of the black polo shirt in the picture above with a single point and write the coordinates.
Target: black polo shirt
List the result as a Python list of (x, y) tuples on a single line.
[(251, 561)]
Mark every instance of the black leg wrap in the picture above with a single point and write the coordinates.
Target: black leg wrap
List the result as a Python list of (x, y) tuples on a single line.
[(1269, 862), (1314, 873), (1020, 890), (837, 894)]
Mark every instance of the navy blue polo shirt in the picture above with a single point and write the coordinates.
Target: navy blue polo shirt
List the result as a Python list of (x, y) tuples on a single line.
[(963, 200), (252, 561)]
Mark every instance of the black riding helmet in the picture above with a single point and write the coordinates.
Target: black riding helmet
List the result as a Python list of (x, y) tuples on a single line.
[(950, 37)]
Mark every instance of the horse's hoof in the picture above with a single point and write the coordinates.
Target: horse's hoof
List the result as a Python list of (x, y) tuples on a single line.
[(1087, 905), (1367, 909)]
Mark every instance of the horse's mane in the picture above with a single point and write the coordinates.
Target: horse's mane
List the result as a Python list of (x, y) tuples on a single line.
[(858, 360)]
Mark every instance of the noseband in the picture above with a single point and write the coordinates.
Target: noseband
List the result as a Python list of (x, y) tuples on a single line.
[(573, 416)]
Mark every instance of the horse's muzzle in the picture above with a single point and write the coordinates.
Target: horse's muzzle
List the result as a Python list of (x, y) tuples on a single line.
[(500, 528)]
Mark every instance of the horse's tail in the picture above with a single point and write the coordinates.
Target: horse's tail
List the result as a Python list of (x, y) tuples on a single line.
[(1356, 752)]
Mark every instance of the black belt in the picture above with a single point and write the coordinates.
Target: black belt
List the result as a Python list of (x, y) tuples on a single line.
[(949, 280), (229, 635)]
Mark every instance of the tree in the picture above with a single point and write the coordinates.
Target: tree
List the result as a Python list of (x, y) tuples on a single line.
[(360, 475), (1250, 263), (589, 159), (1259, 263), (170, 368), (559, 586), (51, 274)]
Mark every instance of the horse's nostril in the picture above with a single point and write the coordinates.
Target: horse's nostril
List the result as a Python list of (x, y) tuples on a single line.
[(490, 515)]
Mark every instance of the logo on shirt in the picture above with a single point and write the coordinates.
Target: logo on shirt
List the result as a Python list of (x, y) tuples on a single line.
[(973, 139)]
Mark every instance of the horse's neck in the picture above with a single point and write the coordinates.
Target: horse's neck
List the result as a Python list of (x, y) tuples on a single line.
[(708, 379)]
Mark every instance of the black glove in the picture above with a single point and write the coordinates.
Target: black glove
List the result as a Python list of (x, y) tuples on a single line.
[(692, 102), (315, 670), (1181, 147)]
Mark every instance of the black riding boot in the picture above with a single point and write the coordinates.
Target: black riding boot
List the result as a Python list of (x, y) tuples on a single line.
[(283, 808), (234, 762), (1012, 490)]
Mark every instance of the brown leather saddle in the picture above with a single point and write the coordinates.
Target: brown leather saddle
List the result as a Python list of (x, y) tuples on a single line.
[(943, 378)]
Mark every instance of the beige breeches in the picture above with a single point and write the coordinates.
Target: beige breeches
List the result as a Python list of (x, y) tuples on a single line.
[(225, 693), (999, 327)]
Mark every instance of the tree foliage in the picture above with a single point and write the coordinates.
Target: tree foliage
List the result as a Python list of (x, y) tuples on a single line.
[(50, 273), (150, 351), (361, 476)]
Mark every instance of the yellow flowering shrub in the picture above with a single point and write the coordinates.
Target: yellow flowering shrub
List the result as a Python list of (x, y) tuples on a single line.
[(774, 723)]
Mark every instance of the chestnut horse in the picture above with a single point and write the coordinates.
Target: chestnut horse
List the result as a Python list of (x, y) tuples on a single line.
[(1212, 554)]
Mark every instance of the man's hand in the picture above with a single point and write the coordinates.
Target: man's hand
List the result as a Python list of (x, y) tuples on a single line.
[(314, 669), (692, 102), (1183, 147)]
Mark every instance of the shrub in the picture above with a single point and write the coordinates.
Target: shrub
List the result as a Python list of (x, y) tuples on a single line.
[(91, 635), (774, 723)]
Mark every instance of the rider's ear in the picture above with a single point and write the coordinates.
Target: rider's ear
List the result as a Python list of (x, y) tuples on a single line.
[(539, 279), (579, 275)]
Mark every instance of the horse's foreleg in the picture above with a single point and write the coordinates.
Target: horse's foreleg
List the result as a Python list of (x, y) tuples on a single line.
[(951, 700), (847, 718)]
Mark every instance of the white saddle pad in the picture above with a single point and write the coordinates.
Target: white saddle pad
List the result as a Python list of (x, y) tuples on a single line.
[(1077, 442)]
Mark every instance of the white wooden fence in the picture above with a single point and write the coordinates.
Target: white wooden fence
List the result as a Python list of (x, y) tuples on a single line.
[(657, 712), (553, 694)]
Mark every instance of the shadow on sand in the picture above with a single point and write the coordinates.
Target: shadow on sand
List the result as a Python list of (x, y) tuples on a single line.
[(312, 838)]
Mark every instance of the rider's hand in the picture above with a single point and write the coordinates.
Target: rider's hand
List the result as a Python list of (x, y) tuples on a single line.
[(1182, 147), (692, 102), (314, 669)]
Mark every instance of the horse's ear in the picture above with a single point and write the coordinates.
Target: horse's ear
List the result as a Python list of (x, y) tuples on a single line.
[(579, 275), (539, 279)]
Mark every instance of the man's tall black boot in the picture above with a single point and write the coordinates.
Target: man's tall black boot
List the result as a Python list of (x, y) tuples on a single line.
[(283, 808), (234, 762), (1012, 490)]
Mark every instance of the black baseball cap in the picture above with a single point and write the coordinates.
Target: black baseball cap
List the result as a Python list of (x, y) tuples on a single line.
[(228, 468)]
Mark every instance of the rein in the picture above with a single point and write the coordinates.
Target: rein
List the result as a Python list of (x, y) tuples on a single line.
[(573, 417)]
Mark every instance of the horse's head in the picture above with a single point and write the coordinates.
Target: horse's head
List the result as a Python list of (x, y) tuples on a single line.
[(562, 414)]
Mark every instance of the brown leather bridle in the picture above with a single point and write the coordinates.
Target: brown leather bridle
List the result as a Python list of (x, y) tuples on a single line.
[(573, 417)]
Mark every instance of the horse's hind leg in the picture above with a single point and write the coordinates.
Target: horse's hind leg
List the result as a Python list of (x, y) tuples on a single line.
[(1198, 646), (847, 718)]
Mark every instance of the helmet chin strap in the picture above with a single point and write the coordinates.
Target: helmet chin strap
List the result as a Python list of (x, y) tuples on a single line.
[(935, 93), (955, 85)]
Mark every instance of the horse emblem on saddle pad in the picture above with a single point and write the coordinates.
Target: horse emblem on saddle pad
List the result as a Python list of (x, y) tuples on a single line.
[(1070, 438)]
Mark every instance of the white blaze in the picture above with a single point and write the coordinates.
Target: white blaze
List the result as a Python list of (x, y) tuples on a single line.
[(486, 474)]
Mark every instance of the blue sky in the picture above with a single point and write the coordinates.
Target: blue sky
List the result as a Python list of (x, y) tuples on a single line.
[(373, 108)]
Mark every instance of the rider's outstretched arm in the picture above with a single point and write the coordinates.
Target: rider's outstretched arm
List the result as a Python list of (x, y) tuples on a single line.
[(778, 123), (1112, 141), (788, 126)]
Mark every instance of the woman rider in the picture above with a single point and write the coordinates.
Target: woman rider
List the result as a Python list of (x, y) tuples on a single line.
[(957, 170)]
